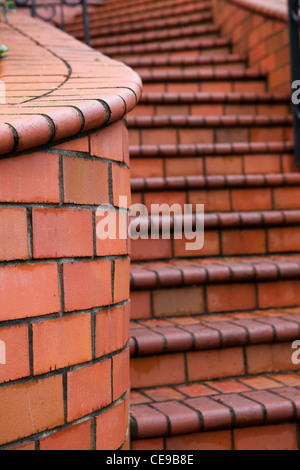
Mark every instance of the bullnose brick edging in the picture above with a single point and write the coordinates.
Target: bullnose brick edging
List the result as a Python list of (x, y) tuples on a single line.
[(64, 294)]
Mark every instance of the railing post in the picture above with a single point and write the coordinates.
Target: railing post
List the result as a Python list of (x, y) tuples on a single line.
[(295, 70), (51, 13)]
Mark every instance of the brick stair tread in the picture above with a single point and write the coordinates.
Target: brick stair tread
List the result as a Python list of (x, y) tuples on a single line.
[(186, 44), (196, 75), (180, 183), (155, 36), (176, 334), (230, 220), (175, 273), (181, 61), (218, 404), (181, 150), (152, 122), (127, 28), (211, 98), (169, 11)]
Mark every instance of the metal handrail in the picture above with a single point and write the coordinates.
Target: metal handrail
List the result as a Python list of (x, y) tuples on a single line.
[(294, 19), (54, 12)]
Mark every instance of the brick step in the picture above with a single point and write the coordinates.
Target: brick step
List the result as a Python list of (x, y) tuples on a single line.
[(212, 104), (205, 81), (222, 193), (157, 37), (142, 26), (186, 47), (213, 332), (173, 130), (208, 285), (178, 350), (231, 234), (168, 9), (256, 412), (170, 64), (211, 159)]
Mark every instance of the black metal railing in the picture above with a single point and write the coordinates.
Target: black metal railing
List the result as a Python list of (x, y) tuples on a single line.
[(54, 12), (294, 24)]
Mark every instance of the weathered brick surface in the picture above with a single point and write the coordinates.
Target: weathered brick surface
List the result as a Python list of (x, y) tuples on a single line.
[(64, 293)]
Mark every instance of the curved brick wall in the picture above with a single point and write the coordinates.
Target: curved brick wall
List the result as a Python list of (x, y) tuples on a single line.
[(64, 316), (260, 30)]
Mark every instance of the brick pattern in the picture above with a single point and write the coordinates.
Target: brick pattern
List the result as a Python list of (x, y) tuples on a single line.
[(261, 31), (64, 292), (62, 108), (263, 400), (208, 132), (65, 309), (173, 334)]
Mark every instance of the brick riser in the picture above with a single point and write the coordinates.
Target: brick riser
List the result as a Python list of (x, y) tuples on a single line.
[(211, 332)]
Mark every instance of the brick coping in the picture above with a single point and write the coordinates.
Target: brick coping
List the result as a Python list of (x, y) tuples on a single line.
[(272, 8), (57, 87)]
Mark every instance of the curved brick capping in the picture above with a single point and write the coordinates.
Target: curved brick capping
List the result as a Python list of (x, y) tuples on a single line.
[(259, 29), (64, 313)]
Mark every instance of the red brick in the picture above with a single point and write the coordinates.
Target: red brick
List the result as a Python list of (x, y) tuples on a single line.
[(183, 167), (206, 365), (269, 358), (151, 249), (279, 437), (148, 444), (109, 331), (111, 427), (30, 178), (251, 199), (28, 291), (59, 233), (61, 342), (121, 280), (17, 353), (89, 389), (76, 145), (279, 294), (151, 167), (121, 372), (218, 440), (230, 297), (27, 446), (126, 322), (152, 371), (109, 142), (231, 135), (183, 301), (169, 198), (76, 437), (286, 198), (229, 165), (30, 408), (163, 394), (121, 186), (116, 233), (211, 246), (140, 304), (85, 181), (283, 239), (216, 200), (195, 136), (13, 233), (87, 284), (243, 242), (159, 136), (261, 164), (249, 87)]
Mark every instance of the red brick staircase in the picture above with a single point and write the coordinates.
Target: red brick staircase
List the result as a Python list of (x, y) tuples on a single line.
[(212, 330)]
